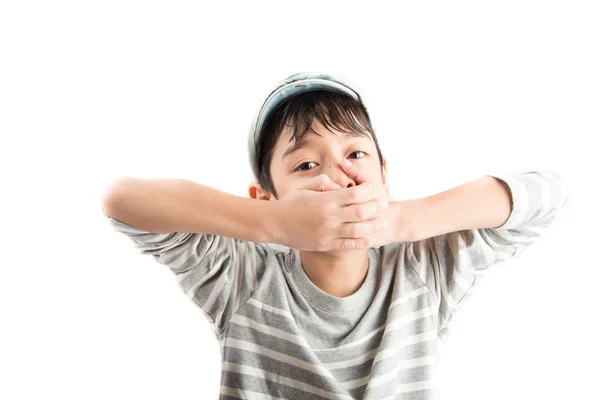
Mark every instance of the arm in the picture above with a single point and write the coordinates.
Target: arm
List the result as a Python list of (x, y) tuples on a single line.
[(301, 219), (177, 205), (482, 203), (451, 239), (457, 237), (486, 203), (182, 225)]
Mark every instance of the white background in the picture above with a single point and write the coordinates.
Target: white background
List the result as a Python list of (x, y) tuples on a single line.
[(91, 91)]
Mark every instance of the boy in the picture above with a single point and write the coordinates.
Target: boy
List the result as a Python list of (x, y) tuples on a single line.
[(359, 304)]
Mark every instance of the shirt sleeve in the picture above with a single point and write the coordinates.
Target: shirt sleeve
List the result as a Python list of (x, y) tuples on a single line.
[(451, 265), (218, 273)]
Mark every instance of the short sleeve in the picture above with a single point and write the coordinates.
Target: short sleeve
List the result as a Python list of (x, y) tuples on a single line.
[(451, 265), (218, 273)]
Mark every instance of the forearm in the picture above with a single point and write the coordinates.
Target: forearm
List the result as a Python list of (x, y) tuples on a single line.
[(178, 205), (482, 203)]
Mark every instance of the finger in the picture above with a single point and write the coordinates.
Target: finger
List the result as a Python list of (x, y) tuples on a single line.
[(362, 211), (354, 172), (356, 194), (321, 183), (351, 244), (329, 187), (334, 186), (355, 230)]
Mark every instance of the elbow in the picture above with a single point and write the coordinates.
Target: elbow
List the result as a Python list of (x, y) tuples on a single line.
[(112, 196)]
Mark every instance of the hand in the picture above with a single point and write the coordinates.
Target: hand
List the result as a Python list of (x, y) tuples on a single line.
[(391, 232), (321, 216)]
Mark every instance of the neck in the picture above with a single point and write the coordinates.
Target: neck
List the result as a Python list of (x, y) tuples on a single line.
[(338, 273)]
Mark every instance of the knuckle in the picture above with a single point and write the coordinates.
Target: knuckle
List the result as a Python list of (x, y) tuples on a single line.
[(361, 212), (355, 229), (383, 203), (346, 244), (374, 225)]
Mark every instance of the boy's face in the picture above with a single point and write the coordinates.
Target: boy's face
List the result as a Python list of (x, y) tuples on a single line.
[(292, 165)]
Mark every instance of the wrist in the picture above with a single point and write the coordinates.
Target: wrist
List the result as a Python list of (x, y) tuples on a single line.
[(268, 217), (405, 217)]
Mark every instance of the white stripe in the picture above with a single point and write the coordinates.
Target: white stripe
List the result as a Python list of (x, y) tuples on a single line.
[(412, 387), (444, 287), (393, 374), (407, 341), (389, 351), (520, 198), (254, 261), (188, 252), (127, 228), (403, 299), (275, 355), (301, 341), (408, 296), (421, 267), (209, 318), (356, 383), (269, 330), (415, 293), (158, 237), (216, 290), (352, 362), (545, 201), (246, 394), (356, 342), (411, 295), (272, 309), (283, 380), (462, 261), (241, 270)]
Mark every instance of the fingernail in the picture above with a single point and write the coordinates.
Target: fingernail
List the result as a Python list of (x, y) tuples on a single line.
[(337, 187), (383, 203)]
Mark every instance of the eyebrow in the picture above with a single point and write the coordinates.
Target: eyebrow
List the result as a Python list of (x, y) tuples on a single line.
[(300, 144)]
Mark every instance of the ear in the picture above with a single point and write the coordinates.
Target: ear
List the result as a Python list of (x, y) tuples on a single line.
[(255, 191), (384, 178)]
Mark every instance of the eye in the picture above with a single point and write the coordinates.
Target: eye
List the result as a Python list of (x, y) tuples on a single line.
[(358, 151), (303, 164)]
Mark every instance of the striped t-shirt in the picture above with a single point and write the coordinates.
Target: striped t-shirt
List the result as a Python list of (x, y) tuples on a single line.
[(281, 337)]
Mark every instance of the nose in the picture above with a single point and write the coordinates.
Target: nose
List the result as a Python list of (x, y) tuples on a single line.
[(336, 173)]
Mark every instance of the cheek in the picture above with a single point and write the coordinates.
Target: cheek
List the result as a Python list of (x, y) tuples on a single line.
[(374, 175), (372, 172), (283, 187)]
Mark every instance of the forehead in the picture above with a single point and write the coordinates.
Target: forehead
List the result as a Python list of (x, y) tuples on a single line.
[(319, 131), (286, 145)]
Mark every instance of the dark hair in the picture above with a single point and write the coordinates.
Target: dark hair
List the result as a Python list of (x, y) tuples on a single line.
[(335, 110)]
